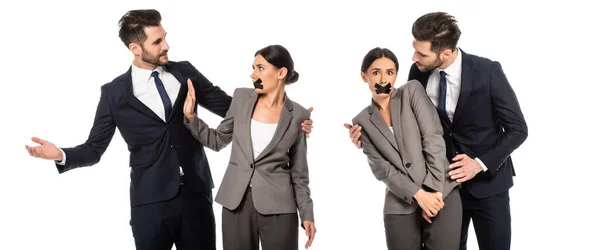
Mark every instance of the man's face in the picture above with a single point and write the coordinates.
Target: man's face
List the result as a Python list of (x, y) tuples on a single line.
[(426, 59), (154, 49)]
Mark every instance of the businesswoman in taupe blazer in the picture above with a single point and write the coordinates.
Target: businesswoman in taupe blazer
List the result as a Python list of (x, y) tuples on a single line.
[(267, 178), (402, 138)]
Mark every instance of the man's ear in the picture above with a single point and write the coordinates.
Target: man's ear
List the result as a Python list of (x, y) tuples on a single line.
[(135, 48)]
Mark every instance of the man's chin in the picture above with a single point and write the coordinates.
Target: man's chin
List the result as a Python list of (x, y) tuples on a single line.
[(164, 60)]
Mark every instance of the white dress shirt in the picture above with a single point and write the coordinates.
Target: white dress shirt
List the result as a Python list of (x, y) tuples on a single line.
[(453, 84), (144, 89)]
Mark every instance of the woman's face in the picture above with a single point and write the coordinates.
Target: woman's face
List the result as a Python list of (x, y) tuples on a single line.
[(266, 77), (380, 77)]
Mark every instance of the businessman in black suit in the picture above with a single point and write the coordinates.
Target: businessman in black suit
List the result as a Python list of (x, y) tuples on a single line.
[(482, 120), (171, 183)]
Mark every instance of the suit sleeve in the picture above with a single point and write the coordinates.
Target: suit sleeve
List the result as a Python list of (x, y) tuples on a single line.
[(399, 183), (506, 107), (215, 139), (90, 152), (210, 97), (434, 147), (300, 177)]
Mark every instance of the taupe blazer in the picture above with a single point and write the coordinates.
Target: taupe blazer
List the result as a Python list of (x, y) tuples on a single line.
[(279, 175), (414, 155)]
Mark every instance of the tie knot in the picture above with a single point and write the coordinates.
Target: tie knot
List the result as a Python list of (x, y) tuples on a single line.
[(442, 73), (155, 74)]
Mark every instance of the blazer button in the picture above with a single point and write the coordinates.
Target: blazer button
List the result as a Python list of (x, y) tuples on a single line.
[(251, 165), (408, 165)]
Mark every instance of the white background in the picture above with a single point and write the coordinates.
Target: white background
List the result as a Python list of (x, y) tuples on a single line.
[(55, 55)]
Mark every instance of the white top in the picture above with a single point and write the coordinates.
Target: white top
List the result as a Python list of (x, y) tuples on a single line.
[(261, 135), (391, 129)]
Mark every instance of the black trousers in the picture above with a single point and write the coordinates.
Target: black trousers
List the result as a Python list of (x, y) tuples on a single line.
[(491, 221), (187, 220), (244, 228)]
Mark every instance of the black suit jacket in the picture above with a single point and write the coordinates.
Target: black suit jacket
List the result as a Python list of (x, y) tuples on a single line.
[(157, 148), (488, 123)]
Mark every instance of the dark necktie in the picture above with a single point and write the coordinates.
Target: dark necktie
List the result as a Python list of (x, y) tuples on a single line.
[(442, 100), (163, 94)]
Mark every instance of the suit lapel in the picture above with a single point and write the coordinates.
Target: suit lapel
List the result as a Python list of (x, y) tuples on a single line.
[(284, 122), (246, 117), (182, 90), (466, 85), (395, 110), (132, 100), (383, 128)]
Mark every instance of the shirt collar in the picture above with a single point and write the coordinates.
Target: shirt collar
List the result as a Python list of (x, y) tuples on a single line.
[(139, 75)]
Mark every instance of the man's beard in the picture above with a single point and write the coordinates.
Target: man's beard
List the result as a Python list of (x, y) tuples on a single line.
[(436, 64), (151, 59)]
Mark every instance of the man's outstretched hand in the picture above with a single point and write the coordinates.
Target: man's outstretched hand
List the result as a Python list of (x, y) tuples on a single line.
[(45, 150)]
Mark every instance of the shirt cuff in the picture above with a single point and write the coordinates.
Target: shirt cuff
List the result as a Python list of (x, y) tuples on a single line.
[(481, 163), (64, 156)]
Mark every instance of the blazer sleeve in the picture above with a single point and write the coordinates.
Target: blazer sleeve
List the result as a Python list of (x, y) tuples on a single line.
[(506, 106), (398, 182), (300, 178), (101, 134), (215, 139), (432, 140), (210, 97)]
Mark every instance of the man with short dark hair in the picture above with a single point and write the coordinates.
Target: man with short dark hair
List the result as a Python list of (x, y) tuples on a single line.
[(482, 120), (171, 184)]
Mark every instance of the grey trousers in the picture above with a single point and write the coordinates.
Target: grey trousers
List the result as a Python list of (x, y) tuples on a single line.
[(244, 227), (412, 232)]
